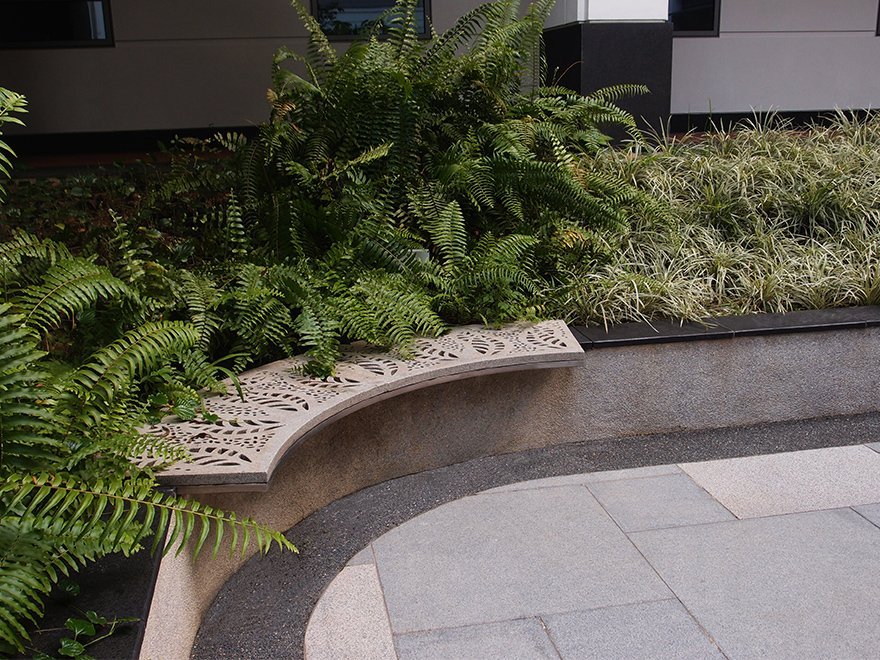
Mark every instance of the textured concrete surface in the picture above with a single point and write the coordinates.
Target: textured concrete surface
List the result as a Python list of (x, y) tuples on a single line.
[(541, 570), (349, 622), (786, 483), (590, 477), (252, 616), (654, 502), (800, 585), (624, 407), (520, 639), (869, 511), (518, 565), (632, 632)]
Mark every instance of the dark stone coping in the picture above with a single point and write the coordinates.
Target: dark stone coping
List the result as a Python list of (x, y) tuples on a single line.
[(263, 610), (727, 327)]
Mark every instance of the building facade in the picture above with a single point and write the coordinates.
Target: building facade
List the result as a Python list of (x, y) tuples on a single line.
[(105, 66)]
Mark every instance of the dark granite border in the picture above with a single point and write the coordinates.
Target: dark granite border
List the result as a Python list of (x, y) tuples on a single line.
[(263, 610), (728, 327)]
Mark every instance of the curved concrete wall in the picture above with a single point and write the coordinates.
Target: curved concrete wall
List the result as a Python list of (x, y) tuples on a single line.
[(617, 392)]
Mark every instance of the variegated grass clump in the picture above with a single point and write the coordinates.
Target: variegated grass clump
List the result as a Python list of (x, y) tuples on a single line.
[(760, 218)]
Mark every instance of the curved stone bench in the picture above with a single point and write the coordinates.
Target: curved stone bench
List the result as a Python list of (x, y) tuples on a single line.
[(240, 450)]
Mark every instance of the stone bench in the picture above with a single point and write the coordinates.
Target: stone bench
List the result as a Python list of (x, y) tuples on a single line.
[(240, 450)]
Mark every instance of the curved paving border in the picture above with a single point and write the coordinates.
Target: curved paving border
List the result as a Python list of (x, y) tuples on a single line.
[(263, 610), (242, 447)]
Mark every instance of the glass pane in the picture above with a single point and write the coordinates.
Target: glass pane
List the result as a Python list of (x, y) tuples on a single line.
[(692, 15), (349, 17), (41, 22)]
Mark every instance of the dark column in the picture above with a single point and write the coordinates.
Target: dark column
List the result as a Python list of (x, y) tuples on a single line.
[(588, 56)]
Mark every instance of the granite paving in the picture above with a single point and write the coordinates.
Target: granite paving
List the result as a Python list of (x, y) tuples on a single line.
[(767, 556), (263, 611)]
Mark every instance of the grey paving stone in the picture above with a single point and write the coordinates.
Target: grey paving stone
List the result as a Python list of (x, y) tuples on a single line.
[(506, 556), (522, 639), (871, 512), (349, 621), (796, 586), (661, 629), (589, 478), (657, 502), (808, 480), (875, 446), (365, 556)]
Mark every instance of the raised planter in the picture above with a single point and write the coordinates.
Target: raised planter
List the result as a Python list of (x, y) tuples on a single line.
[(632, 387)]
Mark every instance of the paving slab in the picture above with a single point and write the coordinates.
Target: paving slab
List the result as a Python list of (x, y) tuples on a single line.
[(875, 446), (365, 556), (509, 555), (795, 586), (661, 629), (522, 639), (589, 478), (656, 502), (871, 512), (791, 482), (349, 622)]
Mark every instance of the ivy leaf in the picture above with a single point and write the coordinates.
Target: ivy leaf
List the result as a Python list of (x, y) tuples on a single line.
[(80, 627), (93, 617), (71, 648)]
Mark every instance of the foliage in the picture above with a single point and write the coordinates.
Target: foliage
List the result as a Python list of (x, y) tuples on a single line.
[(445, 147), (11, 103), (70, 415), (762, 218), (68, 492)]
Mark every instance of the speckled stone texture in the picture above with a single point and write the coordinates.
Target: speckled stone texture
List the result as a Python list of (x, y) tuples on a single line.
[(548, 570), (787, 483), (617, 394), (253, 618)]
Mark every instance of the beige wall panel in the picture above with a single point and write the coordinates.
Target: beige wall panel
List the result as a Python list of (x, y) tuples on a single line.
[(798, 15), (444, 13), (734, 73), (203, 19), (144, 85)]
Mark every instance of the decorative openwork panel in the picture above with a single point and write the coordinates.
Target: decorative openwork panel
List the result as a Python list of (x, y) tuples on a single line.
[(282, 406)]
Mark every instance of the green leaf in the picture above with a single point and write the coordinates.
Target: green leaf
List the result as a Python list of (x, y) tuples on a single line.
[(95, 618), (71, 648), (80, 627)]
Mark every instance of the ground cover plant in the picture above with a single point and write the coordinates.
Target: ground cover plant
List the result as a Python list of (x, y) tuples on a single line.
[(761, 217)]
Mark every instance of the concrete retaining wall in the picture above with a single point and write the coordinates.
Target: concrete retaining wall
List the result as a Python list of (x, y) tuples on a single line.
[(617, 392)]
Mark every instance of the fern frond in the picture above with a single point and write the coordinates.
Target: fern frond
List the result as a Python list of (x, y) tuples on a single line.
[(110, 371), (67, 288), (26, 421)]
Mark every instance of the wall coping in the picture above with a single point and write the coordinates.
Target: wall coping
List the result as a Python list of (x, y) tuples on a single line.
[(727, 327), (240, 450)]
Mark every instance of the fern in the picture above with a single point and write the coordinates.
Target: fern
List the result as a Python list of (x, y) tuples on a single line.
[(67, 288), (11, 103)]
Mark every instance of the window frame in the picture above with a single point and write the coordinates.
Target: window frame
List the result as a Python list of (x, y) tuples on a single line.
[(107, 42), (313, 8), (714, 32)]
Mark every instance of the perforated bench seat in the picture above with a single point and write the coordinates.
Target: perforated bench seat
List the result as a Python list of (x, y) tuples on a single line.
[(241, 449)]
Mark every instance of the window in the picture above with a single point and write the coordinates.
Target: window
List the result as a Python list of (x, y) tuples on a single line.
[(698, 18), (353, 17), (54, 23)]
